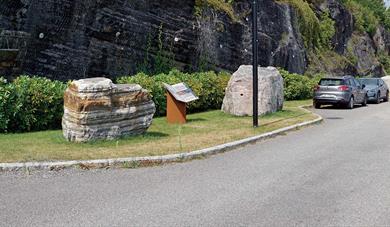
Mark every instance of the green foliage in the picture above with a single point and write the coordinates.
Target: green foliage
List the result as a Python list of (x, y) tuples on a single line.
[(365, 18), (220, 5), (327, 30), (31, 104), (309, 24), (386, 19), (384, 59), (208, 86), (325, 61), (298, 87), (163, 59), (378, 10), (145, 66), (6, 97)]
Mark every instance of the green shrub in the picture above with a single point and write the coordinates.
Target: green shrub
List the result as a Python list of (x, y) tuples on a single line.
[(6, 101), (298, 87), (208, 86), (31, 104)]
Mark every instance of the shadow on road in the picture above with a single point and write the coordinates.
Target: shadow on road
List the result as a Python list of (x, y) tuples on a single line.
[(331, 107)]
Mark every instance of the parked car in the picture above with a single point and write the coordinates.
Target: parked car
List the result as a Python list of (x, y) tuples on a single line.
[(376, 89), (344, 91)]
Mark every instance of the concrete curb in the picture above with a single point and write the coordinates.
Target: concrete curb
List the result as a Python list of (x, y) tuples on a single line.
[(134, 162)]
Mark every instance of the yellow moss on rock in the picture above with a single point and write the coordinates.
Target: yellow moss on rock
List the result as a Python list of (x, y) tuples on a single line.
[(220, 5)]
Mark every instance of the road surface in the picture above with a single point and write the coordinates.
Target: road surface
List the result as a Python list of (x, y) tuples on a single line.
[(333, 174)]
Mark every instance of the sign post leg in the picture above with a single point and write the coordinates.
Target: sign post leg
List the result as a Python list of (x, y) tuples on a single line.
[(176, 110)]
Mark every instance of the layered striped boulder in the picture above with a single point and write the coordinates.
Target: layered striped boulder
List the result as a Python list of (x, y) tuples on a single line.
[(96, 109)]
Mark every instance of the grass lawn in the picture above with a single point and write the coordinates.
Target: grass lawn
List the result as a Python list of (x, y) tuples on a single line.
[(202, 130)]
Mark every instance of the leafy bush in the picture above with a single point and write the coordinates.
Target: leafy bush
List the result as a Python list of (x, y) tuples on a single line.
[(298, 87), (31, 104), (208, 86), (6, 97), (365, 18)]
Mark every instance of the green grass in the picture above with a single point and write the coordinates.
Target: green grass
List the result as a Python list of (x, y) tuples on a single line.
[(202, 130)]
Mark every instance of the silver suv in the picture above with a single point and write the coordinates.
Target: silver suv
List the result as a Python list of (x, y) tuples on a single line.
[(344, 91), (376, 89)]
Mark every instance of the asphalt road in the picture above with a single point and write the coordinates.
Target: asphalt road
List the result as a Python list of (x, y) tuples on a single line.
[(333, 174)]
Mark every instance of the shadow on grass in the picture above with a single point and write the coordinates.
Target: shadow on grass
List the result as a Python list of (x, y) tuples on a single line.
[(284, 119), (154, 135), (195, 120), (101, 142)]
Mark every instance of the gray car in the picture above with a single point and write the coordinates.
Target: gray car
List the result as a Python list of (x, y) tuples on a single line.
[(377, 89), (344, 91)]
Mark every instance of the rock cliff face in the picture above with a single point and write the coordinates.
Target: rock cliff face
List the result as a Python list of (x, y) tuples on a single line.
[(88, 38)]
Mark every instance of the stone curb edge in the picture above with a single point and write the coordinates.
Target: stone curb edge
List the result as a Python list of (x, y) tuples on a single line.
[(150, 160)]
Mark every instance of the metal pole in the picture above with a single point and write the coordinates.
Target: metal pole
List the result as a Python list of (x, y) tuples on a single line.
[(255, 65)]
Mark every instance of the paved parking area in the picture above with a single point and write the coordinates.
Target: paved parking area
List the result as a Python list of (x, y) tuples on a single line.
[(336, 173)]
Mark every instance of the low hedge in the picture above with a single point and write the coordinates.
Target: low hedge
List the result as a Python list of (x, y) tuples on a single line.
[(30, 104), (36, 103), (298, 87), (208, 86)]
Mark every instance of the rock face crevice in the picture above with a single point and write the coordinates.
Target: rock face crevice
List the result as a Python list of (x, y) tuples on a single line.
[(96, 108)]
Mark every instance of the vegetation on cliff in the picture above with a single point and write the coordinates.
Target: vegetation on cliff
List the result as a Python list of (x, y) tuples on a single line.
[(318, 28), (220, 5)]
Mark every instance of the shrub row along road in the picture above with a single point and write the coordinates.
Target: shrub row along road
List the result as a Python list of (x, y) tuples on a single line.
[(336, 173)]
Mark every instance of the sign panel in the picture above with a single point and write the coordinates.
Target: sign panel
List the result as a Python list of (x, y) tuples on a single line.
[(181, 92)]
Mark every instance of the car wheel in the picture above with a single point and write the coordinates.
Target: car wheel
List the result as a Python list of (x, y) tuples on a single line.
[(317, 105), (351, 103), (365, 101), (386, 99), (378, 98)]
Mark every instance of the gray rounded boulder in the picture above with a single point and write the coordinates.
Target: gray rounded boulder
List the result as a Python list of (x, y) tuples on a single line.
[(238, 95)]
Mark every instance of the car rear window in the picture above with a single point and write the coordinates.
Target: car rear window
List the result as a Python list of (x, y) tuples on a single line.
[(369, 81), (331, 82)]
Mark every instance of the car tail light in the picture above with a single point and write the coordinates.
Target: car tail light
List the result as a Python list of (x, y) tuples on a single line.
[(344, 88), (316, 88)]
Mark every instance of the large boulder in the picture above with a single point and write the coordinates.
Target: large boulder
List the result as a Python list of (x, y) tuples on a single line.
[(96, 108), (238, 97)]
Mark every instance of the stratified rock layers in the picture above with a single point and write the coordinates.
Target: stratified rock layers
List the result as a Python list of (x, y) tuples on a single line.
[(238, 97), (96, 109)]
